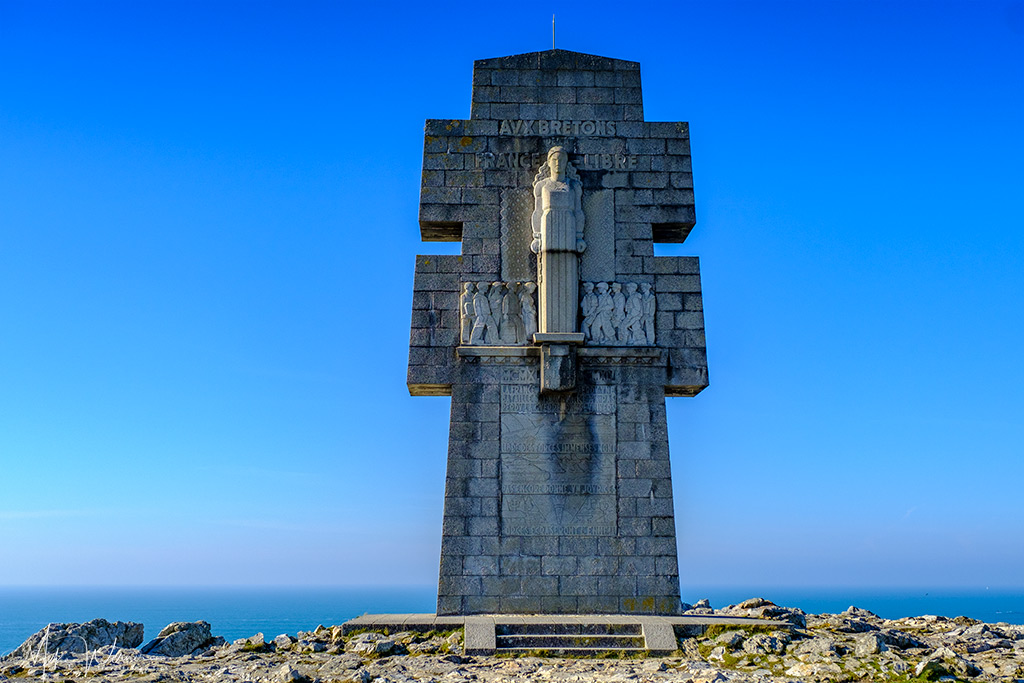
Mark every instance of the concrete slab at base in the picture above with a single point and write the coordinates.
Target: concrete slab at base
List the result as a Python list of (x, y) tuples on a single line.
[(659, 633)]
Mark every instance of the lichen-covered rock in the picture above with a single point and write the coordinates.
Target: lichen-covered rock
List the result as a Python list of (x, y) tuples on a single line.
[(901, 639), (764, 644), (759, 608), (700, 607), (753, 603), (944, 662), (820, 645), (731, 639), (79, 638), (736, 656), (869, 644), (371, 644), (815, 670), (284, 641), (289, 674), (182, 638)]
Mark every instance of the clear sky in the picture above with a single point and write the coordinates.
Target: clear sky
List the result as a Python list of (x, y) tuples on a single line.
[(208, 222)]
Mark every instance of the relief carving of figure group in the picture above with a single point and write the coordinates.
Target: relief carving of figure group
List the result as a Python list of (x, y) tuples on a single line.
[(505, 313), (618, 314), (498, 313)]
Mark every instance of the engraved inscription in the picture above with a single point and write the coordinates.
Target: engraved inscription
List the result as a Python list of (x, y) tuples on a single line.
[(533, 160), (542, 127), (558, 462)]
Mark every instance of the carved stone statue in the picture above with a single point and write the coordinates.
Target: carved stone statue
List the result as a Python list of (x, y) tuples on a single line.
[(529, 310), (513, 331), (468, 315), (633, 323), (602, 330), (557, 241), (494, 297), (483, 321), (618, 312), (650, 305), (588, 307)]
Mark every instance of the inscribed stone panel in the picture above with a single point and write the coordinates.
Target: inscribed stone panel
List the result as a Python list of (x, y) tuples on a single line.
[(558, 462)]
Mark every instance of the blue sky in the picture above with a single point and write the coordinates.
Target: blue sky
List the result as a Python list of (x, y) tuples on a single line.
[(207, 234)]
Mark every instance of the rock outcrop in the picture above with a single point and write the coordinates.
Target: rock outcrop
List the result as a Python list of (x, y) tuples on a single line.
[(80, 638), (182, 638), (853, 645)]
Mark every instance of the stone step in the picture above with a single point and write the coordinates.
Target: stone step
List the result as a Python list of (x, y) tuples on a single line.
[(571, 651), (655, 635), (567, 629), (569, 641)]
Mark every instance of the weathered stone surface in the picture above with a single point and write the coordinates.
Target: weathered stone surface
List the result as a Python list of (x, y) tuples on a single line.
[(371, 643), (182, 638), (944, 662), (814, 670), (731, 639), (759, 608), (79, 638), (869, 644), (289, 674), (283, 641), (820, 645), (900, 639)]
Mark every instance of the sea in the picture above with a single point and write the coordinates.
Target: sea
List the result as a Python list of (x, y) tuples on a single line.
[(239, 612)]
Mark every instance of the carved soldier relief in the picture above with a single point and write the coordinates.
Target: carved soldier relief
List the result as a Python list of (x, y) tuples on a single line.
[(618, 314), (497, 313)]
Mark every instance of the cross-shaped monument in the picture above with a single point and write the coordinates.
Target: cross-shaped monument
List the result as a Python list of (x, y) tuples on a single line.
[(558, 334)]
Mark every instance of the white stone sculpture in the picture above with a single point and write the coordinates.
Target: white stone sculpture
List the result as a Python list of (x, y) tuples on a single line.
[(513, 331), (602, 330), (466, 309), (529, 309), (650, 308), (494, 298), (633, 322), (482, 319), (557, 241), (618, 314), (588, 306), (497, 313)]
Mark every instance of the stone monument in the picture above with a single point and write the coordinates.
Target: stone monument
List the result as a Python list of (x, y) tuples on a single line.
[(558, 334)]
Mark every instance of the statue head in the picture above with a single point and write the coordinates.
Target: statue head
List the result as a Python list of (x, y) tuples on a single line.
[(558, 159), (602, 287), (645, 287), (468, 287), (630, 287), (481, 287), (530, 287), (616, 287), (588, 287)]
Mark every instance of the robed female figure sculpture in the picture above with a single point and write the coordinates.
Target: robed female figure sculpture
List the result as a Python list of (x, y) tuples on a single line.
[(557, 241)]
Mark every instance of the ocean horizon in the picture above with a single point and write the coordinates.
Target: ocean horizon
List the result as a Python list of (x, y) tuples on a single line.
[(238, 612)]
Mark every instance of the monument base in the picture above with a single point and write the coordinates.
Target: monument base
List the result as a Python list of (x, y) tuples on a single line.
[(582, 634)]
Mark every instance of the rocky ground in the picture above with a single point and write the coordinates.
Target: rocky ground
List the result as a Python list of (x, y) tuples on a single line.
[(855, 645)]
